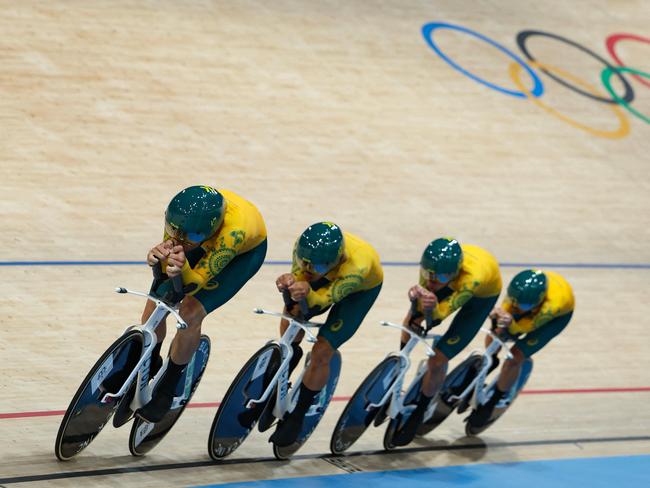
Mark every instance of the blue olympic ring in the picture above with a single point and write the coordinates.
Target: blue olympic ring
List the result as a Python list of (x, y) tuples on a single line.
[(427, 31)]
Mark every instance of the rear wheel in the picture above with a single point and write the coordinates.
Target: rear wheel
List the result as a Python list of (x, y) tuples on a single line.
[(454, 384), (503, 405), (410, 400), (86, 415), (355, 418), (315, 412), (233, 421)]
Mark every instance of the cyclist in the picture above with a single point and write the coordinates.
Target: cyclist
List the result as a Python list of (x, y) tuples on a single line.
[(331, 268), (538, 306), (216, 240), (452, 277)]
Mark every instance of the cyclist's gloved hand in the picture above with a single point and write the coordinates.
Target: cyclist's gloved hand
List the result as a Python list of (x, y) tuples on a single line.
[(175, 261), (284, 281), (500, 318), (299, 290), (426, 298), (159, 252)]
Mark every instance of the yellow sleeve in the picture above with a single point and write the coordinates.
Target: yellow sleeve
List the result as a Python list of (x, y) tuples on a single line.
[(463, 292), (220, 251), (529, 323), (349, 279), (452, 303)]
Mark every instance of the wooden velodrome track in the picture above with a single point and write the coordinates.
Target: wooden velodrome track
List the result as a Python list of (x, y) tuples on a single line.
[(318, 110)]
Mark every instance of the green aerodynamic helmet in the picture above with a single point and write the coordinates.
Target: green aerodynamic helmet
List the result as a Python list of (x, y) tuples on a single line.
[(528, 289), (320, 247), (441, 260), (195, 214)]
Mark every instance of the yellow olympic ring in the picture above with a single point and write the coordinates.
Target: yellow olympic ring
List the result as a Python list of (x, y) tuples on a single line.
[(624, 127)]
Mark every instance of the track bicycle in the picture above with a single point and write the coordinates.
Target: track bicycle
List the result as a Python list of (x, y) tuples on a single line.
[(380, 395), (466, 388), (120, 382), (261, 391)]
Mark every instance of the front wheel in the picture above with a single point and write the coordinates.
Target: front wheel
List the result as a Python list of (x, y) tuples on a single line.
[(410, 402), (86, 415), (233, 421), (355, 418)]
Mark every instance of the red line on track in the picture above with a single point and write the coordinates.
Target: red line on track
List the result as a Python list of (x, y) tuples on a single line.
[(586, 390), (573, 391)]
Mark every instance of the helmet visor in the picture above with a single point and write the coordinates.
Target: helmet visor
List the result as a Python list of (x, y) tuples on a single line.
[(182, 236), (314, 268), (523, 307), (443, 278)]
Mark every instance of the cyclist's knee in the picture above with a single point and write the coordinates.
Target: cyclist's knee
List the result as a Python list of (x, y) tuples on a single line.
[(321, 353), (192, 312), (518, 357), (438, 361)]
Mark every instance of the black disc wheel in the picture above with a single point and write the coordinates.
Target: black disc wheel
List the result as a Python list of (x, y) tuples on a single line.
[(233, 420), (86, 415), (356, 417)]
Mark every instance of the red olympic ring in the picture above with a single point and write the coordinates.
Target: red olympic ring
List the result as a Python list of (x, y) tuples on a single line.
[(611, 42)]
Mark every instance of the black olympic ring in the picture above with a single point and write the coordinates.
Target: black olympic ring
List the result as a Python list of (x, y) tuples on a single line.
[(523, 36)]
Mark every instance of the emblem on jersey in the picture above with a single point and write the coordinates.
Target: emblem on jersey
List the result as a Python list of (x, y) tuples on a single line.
[(532, 342), (336, 326), (211, 285), (453, 340)]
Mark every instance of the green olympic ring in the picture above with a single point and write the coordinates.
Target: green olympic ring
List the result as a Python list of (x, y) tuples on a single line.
[(606, 77)]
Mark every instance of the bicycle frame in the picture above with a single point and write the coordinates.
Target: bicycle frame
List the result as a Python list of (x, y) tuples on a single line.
[(144, 389), (479, 393), (395, 394), (284, 401)]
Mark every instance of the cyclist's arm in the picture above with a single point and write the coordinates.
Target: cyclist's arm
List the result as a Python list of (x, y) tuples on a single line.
[(223, 250), (452, 303), (336, 291), (350, 278), (532, 322)]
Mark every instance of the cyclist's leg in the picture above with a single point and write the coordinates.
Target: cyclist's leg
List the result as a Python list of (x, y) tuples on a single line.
[(216, 293), (462, 330), (526, 347), (523, 349), (193, 310), (460, 333), (342, 322)]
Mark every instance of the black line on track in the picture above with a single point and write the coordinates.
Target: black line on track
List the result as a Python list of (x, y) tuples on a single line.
[(228, 462)]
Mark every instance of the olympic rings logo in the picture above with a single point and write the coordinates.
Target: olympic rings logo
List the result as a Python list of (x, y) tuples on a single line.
[(613, 100)]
